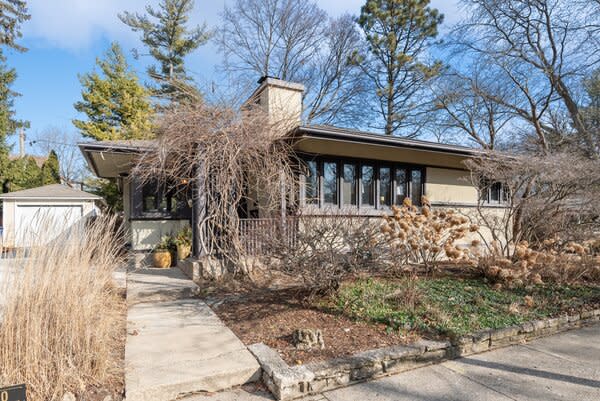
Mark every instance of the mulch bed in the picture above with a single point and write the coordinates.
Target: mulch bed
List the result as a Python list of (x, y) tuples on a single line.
[(271, 317)]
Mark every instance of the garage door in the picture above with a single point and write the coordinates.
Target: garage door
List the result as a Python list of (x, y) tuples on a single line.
[(42, 224)]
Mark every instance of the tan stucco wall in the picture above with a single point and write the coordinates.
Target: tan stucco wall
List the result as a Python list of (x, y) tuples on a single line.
[(449, 186), (145, 234), (9, 213)]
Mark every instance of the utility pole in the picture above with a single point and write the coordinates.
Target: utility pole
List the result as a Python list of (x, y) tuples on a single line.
[(22, 143)]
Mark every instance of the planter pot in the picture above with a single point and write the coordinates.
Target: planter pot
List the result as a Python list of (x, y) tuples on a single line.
[(161, 259), (183, 251)]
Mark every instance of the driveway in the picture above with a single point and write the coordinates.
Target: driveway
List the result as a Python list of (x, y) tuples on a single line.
[(8, 270), (562, 367)]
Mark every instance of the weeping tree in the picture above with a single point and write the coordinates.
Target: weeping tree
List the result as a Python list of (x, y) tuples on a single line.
[(225, 158)]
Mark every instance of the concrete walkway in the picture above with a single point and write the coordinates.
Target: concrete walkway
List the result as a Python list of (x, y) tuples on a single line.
[(562, 367), (176, 345)]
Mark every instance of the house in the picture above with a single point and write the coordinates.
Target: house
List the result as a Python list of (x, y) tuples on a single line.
[(348, 170), (39, 215)]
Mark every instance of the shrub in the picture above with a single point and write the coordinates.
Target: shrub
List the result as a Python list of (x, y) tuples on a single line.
[(554, 262), (63, 324), (326, 250), (425, 236)]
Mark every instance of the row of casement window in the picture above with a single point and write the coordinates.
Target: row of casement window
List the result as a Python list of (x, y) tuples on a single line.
[(329, 183)]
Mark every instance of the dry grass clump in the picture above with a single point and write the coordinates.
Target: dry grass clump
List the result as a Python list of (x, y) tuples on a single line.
[(554, 261), (62, 327), (425, 236)]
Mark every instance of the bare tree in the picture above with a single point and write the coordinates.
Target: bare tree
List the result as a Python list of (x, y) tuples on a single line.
[(545, 195), (542, 50), (466, 110), (295, 40), (64, 143)]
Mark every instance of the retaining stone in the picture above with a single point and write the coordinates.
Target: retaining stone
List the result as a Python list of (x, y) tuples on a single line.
[(287, 383)]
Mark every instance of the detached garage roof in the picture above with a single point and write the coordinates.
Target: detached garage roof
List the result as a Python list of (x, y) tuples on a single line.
[(54, 191)]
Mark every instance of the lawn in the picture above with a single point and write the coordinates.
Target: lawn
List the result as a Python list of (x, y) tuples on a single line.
[(449, 307), (368, 313)]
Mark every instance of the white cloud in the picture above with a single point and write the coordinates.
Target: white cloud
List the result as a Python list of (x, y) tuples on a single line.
[(76, 24)]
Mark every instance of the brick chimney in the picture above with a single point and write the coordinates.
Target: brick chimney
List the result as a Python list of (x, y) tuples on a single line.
[(282, 100)]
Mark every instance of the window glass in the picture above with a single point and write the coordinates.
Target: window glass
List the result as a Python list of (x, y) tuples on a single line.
[(349, 184), (400, 186), (312, 183), (149, 197), (367, 189), (495, 191), (416, 187), (385, 186), (330, 183)]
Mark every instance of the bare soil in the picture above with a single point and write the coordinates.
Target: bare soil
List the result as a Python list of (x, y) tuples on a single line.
[(271, 317)]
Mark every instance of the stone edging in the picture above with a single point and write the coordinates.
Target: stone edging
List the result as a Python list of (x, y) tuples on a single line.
[(287, 382)]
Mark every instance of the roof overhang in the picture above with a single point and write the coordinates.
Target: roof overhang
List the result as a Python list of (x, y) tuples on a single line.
[(356, 144), (112, 160)]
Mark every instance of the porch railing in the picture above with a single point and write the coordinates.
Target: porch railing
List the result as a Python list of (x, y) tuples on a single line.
[(254, 233)]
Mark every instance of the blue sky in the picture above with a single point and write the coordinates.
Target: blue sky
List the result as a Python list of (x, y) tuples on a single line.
[(64, 38)]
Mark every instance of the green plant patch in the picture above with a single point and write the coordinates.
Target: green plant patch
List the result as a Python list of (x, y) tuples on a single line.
[(451, 307)]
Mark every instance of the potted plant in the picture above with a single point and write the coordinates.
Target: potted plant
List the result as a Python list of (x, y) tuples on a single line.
[(161, 255), (183, 241)]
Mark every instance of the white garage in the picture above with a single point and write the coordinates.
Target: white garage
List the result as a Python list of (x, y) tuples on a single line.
[(40, 215)]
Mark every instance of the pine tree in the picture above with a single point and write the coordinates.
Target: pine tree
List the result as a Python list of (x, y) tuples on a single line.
[(397, 33), (12, 14), (169, 40), (22, 173), (116, 105), (50, 173), (8, 122)]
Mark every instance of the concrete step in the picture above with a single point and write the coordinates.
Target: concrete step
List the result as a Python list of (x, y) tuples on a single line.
[(179, 346)]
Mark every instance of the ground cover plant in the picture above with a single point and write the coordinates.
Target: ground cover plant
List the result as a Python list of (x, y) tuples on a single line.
[(62, 324), (451, 306)]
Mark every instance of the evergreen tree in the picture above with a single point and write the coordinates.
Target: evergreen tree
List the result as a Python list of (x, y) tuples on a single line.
[(116, 105), (169, 40), (108, 190), (22, 173), (397, 33), (12, 14), (8, 122), (50, 173)]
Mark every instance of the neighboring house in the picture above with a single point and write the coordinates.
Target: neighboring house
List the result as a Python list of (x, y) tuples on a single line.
[(40, 215), (351, 171)]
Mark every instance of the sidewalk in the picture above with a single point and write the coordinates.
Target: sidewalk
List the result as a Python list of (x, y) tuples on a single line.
[(562, 367), (176, 345)]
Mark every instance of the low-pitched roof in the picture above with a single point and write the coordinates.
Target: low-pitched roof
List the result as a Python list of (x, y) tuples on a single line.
[(126, 144), (53, 191), (352, 135)]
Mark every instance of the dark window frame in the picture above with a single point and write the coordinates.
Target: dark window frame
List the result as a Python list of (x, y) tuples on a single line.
[(163, 193), (359, 163), (485, 193)]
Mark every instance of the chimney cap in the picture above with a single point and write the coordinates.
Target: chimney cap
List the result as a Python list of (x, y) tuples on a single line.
[(265, 77)]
